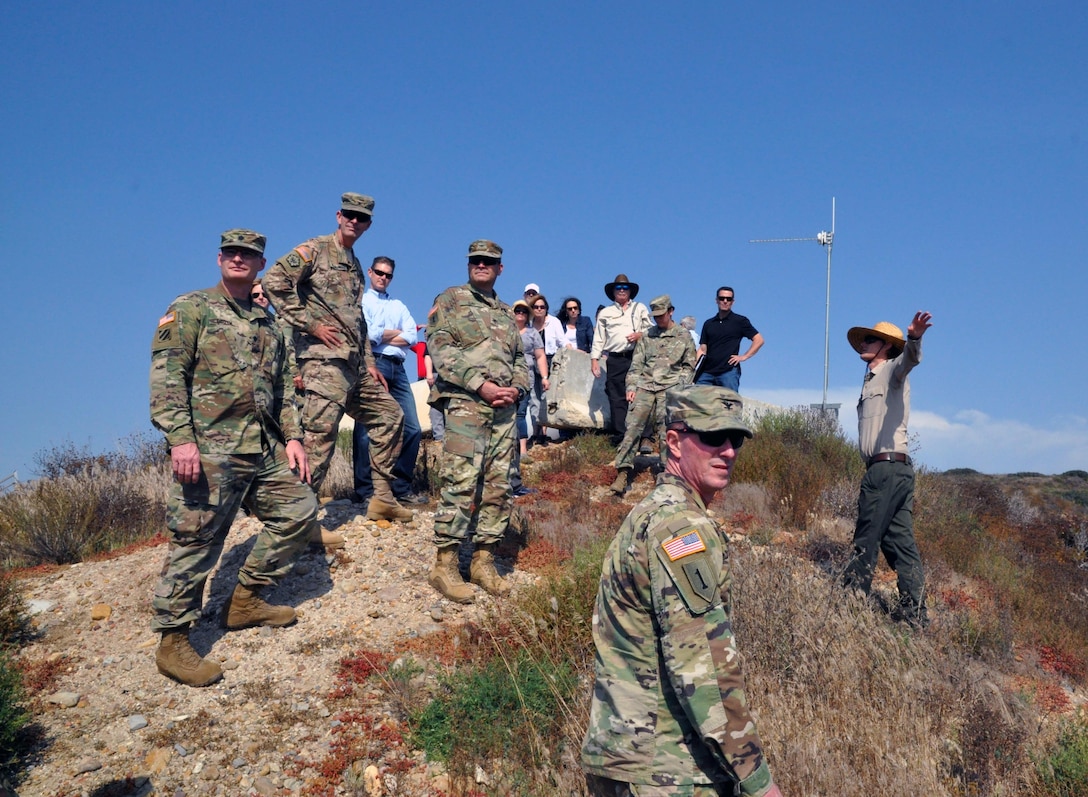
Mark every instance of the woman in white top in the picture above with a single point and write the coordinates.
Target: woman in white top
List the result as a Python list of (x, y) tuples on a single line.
[(554, 339)]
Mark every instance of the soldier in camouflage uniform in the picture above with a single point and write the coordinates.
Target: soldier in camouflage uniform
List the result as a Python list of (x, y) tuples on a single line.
[(480, 378), (318, 288), (218, 377), (664, 357), (669, 714)]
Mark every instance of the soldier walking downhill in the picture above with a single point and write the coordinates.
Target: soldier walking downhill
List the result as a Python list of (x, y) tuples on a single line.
[(318, 288), (664, 357), (218, 381), (481, 377)]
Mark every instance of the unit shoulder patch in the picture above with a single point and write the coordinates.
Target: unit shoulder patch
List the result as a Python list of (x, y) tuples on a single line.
[(683, 552), (166, 335)]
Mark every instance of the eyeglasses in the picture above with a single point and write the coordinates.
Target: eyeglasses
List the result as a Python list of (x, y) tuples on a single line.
[(379, 273), (725, 298), (718, 438), (621, 287), (483, 261), (234, 251), (520, 311), (572, 308), (257, 295), (869, 340), (540, 307), (354, 215)]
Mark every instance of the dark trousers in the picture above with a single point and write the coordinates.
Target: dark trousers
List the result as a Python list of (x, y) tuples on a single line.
[(615, 388), (404, 468), (885, 515)]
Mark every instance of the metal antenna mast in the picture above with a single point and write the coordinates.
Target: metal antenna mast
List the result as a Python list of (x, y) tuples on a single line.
[(825, 239)]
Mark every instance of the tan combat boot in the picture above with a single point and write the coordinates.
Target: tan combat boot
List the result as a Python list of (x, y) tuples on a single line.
[(329, 540), (245, 609), (384, 506), (446, 578), (623, 477), (176, 659), (482, 571)]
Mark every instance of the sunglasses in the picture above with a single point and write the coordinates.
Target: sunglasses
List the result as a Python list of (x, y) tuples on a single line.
[(483, 261), (725, 298), (234, 251), (572, 308), (378, 272), (354, 215), (869, 340), (540, 307), (621, 287), (718, 438), (520, 311)]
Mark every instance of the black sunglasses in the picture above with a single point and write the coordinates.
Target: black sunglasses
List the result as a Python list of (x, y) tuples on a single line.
[(725, 298), (717, 438), (520, 311), (869, 340), (483, 261), (354, 215), (387, 274)]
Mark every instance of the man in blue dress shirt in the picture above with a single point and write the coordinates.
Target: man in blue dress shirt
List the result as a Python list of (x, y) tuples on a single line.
[(392, 330)]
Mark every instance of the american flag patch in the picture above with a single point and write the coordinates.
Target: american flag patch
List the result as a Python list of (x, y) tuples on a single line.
[(679, 547), (166, 319)]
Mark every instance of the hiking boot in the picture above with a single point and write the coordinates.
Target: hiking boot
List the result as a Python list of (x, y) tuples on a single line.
[(378, 509), (482, 571), (245, 609), (619, 486), (176, 659), (329, 540), (413, 498), (446, 578), (646, 446)]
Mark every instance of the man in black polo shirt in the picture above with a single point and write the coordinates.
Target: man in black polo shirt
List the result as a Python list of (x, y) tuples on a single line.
[(719, 344)]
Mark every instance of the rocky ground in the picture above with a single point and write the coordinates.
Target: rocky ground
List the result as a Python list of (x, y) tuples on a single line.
[(113, 725)]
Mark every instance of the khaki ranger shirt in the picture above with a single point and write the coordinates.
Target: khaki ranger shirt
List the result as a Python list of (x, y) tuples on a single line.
[(669, 706), (218, 372), (321, 282), (663, 358), (472, 338), (884, 406), (614, 324)]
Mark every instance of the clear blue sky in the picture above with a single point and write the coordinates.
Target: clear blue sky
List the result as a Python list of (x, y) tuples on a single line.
[(588, 139)]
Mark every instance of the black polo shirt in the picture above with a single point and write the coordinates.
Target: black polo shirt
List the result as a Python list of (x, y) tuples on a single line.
[(722, 337)]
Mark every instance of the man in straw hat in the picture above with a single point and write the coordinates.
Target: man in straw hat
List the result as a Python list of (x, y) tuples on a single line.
[(619, 328), (887, 489), (669, 713)]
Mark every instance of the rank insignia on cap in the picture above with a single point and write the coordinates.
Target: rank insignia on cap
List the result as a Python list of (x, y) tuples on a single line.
[(679, 547)]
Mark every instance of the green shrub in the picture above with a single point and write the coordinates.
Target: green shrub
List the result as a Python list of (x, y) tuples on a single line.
[(13, 618), (798, 456), (13, 716), (1065, 770)]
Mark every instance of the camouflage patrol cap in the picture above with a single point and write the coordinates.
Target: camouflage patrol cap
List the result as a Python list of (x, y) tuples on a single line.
[(360, 203), (485, 248), (245, 239), (661, 304), (705, 408)]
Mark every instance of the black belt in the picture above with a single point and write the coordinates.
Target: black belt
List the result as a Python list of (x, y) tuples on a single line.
[(627, 355), (389, 357), (887, 456)]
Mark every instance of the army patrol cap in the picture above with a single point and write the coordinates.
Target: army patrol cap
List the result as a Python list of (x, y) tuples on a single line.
[(485, 248), (244, 239), (661, 305), (705, 408), (360, 203)]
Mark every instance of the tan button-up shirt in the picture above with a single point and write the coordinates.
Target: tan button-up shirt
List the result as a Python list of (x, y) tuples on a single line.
[(884, 406)]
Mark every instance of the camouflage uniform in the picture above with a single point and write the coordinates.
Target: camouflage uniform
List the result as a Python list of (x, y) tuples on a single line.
[(320, 282), (669, 714), (663, 358), (218, 377), (472, 338)]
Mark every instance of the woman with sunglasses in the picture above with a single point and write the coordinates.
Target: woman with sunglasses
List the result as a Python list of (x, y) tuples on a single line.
[(551, 331), (577, 329)]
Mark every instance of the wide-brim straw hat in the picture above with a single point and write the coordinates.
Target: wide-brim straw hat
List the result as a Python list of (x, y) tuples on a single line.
[(883, 329), (621, 279)]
